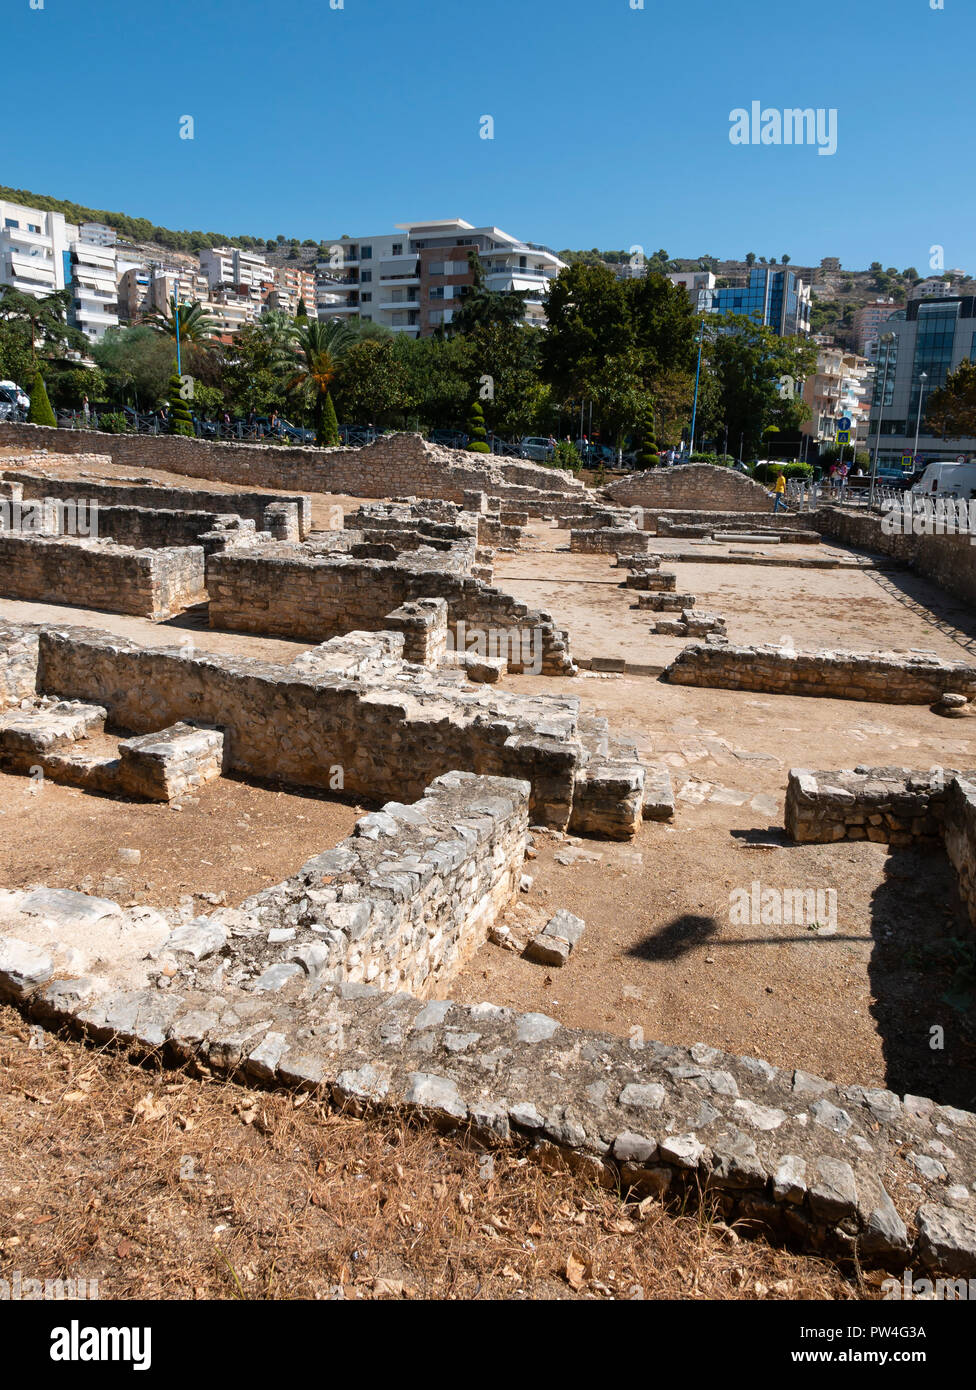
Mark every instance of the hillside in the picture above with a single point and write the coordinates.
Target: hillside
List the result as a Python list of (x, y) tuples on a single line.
[(836, 294)]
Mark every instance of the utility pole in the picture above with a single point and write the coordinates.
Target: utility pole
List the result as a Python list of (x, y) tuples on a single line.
[(694, 409), (888, 339)]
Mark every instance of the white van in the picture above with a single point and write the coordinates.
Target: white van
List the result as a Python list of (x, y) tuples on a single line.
[(947, 480)]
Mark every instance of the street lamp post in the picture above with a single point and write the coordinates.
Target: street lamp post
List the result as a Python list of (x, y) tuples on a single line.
[(887, 339), (694, 409), (923, 378)]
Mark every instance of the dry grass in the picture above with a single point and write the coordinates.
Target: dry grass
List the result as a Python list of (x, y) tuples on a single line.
[(162, 1185)]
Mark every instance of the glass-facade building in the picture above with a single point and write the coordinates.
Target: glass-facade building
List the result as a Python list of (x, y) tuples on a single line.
[(775, 296), (930, 337)]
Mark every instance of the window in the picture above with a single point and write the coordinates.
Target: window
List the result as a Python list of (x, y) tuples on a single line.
[(11, 222), (366, 298), (32, 228), (397, 249), (366, 253), (437, 292), (366, 277)]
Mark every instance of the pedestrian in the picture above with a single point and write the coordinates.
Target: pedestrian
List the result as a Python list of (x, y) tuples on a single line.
[(779, 493), (85, 409), (842, 477)]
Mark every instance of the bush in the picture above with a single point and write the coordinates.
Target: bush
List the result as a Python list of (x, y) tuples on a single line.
[(40, 412), (114, 423), (719, 460), (648, 460), (477, 434), (180, 419), (767, 472), (566, 456), (328, 431), (479, 446)]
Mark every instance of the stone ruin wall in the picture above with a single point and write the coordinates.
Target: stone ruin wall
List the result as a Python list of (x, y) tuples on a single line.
[(886, 677), (698, 487), (405, 901), (283, 723), (948, 560), (282, 591), (154, 584), (394, 465), (251, 506), (890, 805)]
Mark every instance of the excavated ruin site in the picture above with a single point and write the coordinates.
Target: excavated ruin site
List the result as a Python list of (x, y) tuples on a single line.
[(634, 827)]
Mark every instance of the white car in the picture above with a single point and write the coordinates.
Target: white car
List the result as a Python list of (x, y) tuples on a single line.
[(12, 400)]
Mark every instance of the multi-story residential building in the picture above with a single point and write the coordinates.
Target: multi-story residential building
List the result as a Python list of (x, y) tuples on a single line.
[(932, 288), (412, 281), (929, 339), (292, 286), (700, 287), (867, 325), (34, 254), (97, 233), (774, 296), (94, 305), (135, 292), (838, 390), (230, 271)]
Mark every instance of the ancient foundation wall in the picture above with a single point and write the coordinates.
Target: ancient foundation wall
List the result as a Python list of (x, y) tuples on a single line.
[(891, 805), (408, 899), (960, 836), (18, 663), (609, 540), (890, 678), (284, 723), (153, 584), (689, 486), (398, 465), (948, 560), (249, 505), (283, 591)]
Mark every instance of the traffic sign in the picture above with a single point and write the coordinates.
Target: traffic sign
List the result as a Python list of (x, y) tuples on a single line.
[(907, 460), (844, 422), (843, 436)]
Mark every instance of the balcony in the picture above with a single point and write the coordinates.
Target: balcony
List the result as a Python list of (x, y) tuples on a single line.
[(405, 280), (392, 305)]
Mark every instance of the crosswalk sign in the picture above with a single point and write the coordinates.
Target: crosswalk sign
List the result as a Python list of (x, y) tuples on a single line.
[(843, 436)]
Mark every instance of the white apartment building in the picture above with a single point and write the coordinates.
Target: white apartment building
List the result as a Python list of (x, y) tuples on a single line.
[(412, 280), (229, 266), (33, 249), (932, 288), (838, 389), (93, 282), (97, 233)]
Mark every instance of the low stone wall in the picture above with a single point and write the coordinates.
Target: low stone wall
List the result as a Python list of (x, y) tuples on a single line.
[(18, 663), (144, 528), (960, 836), (886, 677), (692, 486), (610, 540), (382, 737), (251, 506), (153, 584), (397, 465), (407, 900), (284, 591), (948, 560), (890, 805)]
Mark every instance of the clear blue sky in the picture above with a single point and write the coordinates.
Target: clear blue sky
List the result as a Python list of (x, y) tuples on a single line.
[(611, 124)]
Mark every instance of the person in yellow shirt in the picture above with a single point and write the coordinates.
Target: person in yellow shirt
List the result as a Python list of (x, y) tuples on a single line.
[(779, 493)]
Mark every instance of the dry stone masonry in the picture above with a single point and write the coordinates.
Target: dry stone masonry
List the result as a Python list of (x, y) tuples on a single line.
[(900, 678)]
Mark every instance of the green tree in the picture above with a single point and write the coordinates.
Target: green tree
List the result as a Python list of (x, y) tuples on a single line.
[(45, 320), (750, 258), (195, 324), (40, 412), (328, 431), (477, 434), (70, 386), (371, 383), (16, 363), (308, 366), (136, 363), (758, 376), (952, 408)]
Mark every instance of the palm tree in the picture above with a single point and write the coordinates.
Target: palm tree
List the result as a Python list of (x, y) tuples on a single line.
[(196, 325), (276, 328), (308, 363)]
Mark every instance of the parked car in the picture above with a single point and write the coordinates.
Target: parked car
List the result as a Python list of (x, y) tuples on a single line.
[(449, 439), (947, 480), (14, 403), (537, 448), (596, 454)]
